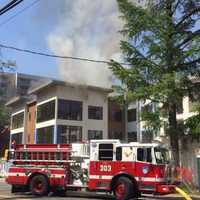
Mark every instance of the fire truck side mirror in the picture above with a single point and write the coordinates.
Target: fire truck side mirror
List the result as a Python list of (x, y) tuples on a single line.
[(6, 155)]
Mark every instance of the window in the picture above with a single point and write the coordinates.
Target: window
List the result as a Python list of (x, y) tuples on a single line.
[(95, 112), (140, 154), (45, 135), (147, 136), (69, 134), (147, 108), (117, 135), (132, 136), (105, 151), (149, 155), (18, 120), (162, 155), (144, 154), (132, 115), (95, 134), (46, 111), (69, 110), (17, 137), (117, 116), (118, 153)]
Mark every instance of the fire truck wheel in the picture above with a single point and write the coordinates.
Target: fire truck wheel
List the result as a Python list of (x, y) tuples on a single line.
[(123, 189), (39, 185)]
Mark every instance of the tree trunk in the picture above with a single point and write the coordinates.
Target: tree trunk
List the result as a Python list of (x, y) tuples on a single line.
[(173, 133)]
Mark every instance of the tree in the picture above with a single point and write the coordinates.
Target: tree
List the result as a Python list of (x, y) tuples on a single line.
[(192, 124), (4, 113), (161, 46), (123, 97)]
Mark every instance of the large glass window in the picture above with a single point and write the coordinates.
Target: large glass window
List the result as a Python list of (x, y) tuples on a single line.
[(147, 136), (18, 120), (45, 135), (95, 134), (95, 112), (69, 110), (132, 136), (69, 134), (132, 115), (117, 116), (17, 137), (46, 111), (117, 135)]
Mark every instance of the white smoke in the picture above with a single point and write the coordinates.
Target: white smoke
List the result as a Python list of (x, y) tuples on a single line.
[(90, 29)]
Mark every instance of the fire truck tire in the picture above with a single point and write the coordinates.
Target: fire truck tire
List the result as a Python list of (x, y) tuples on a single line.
[(123, 189), (39, 185)]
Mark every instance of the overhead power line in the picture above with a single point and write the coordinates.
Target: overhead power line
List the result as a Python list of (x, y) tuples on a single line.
[(57, 56), (9, 6), (18, 13)]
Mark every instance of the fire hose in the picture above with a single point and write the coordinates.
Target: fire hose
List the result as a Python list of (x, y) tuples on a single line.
[(183, 193)]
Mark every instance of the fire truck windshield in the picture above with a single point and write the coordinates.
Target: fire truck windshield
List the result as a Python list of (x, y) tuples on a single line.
[(161, 155)]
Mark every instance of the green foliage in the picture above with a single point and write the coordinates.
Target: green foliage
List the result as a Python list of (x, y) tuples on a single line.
[(192, 124), (162, 48), (161, 45), (152, 119), (4, 113), (122, 96)]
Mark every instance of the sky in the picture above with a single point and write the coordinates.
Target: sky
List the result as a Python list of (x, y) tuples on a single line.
[(80, 28)]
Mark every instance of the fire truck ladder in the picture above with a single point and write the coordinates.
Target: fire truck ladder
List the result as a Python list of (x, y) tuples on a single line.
[(41, 155)]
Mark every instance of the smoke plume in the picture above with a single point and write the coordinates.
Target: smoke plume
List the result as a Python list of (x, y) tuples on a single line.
[(88, 28)]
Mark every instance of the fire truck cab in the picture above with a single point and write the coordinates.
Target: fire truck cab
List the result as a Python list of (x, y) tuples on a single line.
[(118, 166), (125, 170)]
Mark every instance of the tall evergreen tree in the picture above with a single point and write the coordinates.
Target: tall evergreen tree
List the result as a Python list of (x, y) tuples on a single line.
[(161, 45), (4, 113)]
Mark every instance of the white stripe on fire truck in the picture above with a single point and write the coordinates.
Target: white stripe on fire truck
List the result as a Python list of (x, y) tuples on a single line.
[(23, 174), (147, 179)]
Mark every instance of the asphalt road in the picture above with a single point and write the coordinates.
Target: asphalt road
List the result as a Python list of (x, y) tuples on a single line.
[(5, 194)]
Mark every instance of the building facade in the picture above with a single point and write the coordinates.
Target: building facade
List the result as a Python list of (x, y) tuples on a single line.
[(116, 120), (17, 84), (60, 113)]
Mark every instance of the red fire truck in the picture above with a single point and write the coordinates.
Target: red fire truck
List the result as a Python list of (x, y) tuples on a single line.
[(125, 170)]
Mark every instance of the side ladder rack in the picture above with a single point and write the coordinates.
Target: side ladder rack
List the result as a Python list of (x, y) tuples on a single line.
[(41, 155)]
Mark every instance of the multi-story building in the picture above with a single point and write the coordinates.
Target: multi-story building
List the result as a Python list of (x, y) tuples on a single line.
[(116, 120), (14, 84), (60, 112), (189, 146)]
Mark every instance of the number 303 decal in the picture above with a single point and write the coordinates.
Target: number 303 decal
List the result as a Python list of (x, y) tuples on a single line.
[(105, 168)]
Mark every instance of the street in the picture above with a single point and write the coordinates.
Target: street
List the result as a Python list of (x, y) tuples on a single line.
[(6, 194)]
